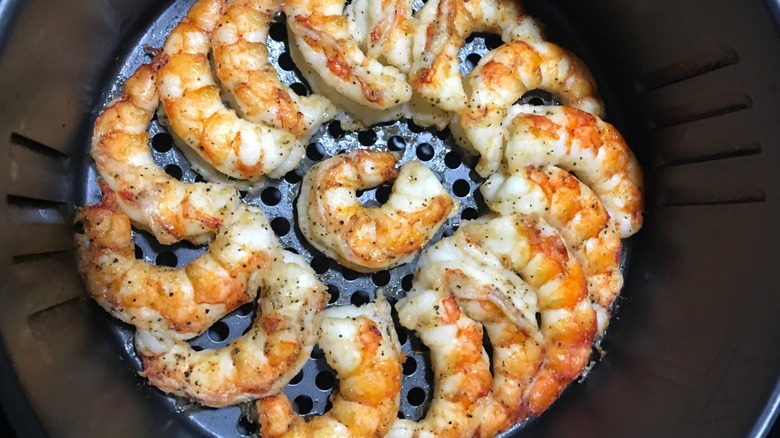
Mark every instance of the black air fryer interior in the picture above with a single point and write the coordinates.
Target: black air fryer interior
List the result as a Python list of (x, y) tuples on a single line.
[(694, 351)]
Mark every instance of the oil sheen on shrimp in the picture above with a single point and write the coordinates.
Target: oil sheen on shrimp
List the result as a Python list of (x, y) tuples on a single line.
[(502, 77), (502, 271), (155, 201), (571, 207), (361, 345), (179, 303), (370, 239), (200, 122), (324, 48), (442, 27), (588, 147), (259, 363), (252, 84), (462, 380)]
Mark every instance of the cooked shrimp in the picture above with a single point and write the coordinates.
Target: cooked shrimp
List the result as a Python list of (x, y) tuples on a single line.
[(258, 364), (479, 264), (361, 345), (462, 380), (384, 30), (369, 239), (502, 77), (565, 203), (506, 306), (241, 63), (170, 209), (442, 27), (585, 145), (174, 302), (331, 60), (534, 250), (198, 119)]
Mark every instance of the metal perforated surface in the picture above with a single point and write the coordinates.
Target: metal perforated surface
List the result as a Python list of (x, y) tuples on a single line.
[(311, 388)]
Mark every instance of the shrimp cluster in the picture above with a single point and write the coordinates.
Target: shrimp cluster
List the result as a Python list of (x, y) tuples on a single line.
[(381, 60), (539, 274), (370, 239), (168, 306), (177, 302), (361, 345)]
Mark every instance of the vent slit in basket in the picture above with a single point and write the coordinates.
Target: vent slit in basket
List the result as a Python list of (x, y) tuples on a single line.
[(704, 62), (37, 315), (687, 201), (673, 116), (26, 210), (37, 147), (729, 151), (37, 257), (26, 202)]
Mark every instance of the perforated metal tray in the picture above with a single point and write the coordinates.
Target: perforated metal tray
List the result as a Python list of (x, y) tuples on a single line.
[(311, 388)]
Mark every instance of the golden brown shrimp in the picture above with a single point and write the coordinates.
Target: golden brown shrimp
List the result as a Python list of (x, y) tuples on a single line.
[(588, 147), (324, 47), (179, 303), (198, 119), (537, 253), (241, 64), (259, 363), (442, 27), (462, 380), (505, 305), (565, 203), (502, 77), (170, 209), (361, 345), (369, 239)]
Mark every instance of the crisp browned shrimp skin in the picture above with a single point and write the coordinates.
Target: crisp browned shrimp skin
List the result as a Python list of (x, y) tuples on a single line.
[(175, 302), (361, 345), (369, 239)]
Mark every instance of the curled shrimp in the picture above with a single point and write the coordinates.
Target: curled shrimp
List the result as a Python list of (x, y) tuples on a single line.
[(502, 271), (172, 210), (198, 119), (241, 63), (535, 251), (179, 303), (361, 345), (369, 239), (442, 28), (324, 47), (502, 77), (384, 29), (259, 363), (588, 147), (462, 380), (571, 207)]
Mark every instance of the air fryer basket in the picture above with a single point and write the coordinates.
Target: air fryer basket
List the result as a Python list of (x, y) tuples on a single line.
[(694, 350)]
